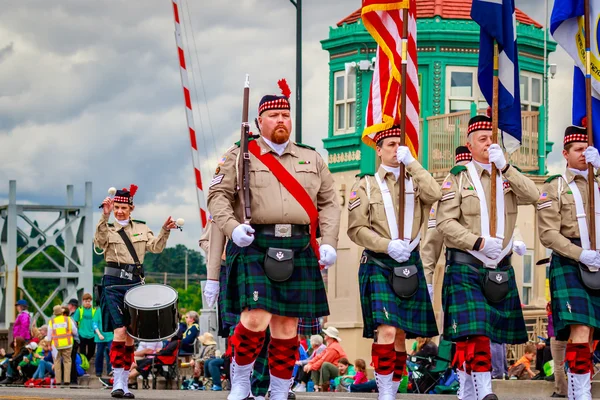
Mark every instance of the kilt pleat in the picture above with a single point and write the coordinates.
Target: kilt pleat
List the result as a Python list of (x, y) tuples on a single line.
[(468, 313), (381, 306), (303, 295), (112, 302), (572, 303)]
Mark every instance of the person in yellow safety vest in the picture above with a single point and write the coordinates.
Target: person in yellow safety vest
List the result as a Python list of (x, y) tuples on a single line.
[(61, 332)]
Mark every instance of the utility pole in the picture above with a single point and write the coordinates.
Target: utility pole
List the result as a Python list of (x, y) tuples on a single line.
[(186, 269), (298, 5)]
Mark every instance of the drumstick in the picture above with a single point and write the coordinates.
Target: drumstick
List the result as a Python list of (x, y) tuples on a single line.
[(111, 192)]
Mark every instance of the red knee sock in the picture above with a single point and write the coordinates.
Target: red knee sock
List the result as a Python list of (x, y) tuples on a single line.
[(579, 357), (128, 357), (282, 357), (481, 361), (384, 358), (117, 355), (399, 366), (460, 357), (246, 344)]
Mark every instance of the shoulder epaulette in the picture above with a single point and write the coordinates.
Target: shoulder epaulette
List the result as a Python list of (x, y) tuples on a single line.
[(517, 168), (253, 137), (360, 175), (139, 221), (305, 146), (553, 177), (110, 224), (457, 169)]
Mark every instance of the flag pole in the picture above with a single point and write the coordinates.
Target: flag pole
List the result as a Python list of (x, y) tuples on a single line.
[(403, 73), (495, 87), (588, 111)]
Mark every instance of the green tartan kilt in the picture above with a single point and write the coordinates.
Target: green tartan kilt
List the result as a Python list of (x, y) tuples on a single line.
[(381, 306), (303, 295), (468, 313), (572, 303)]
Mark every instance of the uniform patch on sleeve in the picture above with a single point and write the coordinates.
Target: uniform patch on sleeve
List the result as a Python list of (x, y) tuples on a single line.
[(216, 180), (448, 196), (432, 212), (506, 184), (353, 195), (547, 204), (222, 160), (544, 196), (432, 223), (447, 185), (353, 204)]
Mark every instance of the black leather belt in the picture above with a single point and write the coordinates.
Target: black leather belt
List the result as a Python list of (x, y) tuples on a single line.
[(461, 257), (379, 258), (123, 271), (282, 230)]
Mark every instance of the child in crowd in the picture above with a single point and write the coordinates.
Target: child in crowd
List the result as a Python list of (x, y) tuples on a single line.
[(346, 377), (522, 368)]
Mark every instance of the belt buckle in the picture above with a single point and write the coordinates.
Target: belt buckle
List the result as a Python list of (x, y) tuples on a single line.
[(126, 275), (283, 230)]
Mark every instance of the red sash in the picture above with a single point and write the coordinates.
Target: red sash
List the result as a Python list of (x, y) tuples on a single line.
[(294, 187)]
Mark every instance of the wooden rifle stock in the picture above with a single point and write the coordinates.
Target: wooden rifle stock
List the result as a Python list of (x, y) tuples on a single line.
[(245, 159)]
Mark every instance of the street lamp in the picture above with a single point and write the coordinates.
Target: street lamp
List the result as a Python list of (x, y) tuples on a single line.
[(298, 5)]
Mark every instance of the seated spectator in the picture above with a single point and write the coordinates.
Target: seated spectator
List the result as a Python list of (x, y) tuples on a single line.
[(361, 372), (29, 364), (191, 334), (22, 326), (324, 366), (166, 356), (522, 369), (213, 366), (316, 347), (41, 333), (46, 360), (426, 348), (182, 323), (147, 350), (12, 372), (346, 377), (209, 348)]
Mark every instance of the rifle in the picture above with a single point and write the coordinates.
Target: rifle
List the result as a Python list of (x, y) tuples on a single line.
[(245, 159)]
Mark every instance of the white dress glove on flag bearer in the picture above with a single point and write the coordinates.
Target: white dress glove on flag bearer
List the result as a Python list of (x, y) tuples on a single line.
[(492, 247), (327, 255), (519, 247), (243, 235), (497, 156), (404, 156), (398, 250), (592, 156), (211, 293)]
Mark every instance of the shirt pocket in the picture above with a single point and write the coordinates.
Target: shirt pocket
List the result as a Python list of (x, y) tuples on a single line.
[(470, 203), (115, 239), (377, 210), (307, 175), (568, 209), (510, 201), (260, 176)]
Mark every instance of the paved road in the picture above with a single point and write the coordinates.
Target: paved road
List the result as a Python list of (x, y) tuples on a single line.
[(20, 393)]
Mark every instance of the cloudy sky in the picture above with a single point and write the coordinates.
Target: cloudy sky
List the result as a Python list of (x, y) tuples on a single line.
[(91, 92)]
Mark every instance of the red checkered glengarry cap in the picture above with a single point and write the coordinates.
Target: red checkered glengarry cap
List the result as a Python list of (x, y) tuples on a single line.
[(393, 131), (479, 123), (575, 134), (270, 102), (125, 195)]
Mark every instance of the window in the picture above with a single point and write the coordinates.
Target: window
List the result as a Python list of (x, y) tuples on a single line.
[(531, 91), (527, 277), (345, 102), (462, 89)]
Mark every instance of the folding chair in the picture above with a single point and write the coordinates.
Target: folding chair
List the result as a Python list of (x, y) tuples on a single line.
[(429, 372), (165, 365)]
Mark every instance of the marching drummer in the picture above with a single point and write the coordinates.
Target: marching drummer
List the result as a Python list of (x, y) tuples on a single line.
[(125, 243)]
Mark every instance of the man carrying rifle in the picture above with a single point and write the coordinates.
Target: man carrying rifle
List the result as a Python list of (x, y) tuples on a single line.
[(274, 275)]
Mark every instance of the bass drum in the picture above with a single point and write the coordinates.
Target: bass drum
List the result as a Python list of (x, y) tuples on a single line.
[(153, 312)]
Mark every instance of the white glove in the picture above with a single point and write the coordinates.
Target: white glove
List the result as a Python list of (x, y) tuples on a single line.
[(211, 293), (590, 258), (430, 290), (242, 235), (497, 156), (398, 250), (327, 255), (404, 156), (492, 247), (592, 156), (519, 247)]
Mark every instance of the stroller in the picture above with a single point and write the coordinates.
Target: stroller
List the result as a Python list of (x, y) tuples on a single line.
[(433, 374)]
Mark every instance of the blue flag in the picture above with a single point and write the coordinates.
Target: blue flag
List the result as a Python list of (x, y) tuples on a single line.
[(497, 21), (567, 28)]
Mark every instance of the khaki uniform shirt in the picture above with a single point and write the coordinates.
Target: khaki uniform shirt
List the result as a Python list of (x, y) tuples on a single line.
[(431, 245), (458, 213), (270, 202), (557, 217), (367, 222), (142, 238), (213, 243)]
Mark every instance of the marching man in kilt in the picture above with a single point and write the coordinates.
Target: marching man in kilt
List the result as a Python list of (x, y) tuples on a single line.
[(392, 311), (480, 295), (274, 275), (563, 220), (123, 271)]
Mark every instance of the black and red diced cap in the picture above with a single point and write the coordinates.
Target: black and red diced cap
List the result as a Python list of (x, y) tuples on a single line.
[(393, 131), (575, 134), (479, 123), (462, 153), (125, 195), (274, 102)]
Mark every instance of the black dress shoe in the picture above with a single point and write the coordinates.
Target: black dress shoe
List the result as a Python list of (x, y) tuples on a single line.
[(538, 377), (117, 393), (559, 396), (291, 395), (491, 396), (129, 396), (550, 378)]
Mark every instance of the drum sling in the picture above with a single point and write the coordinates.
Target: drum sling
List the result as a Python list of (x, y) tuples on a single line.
[(139, 268)]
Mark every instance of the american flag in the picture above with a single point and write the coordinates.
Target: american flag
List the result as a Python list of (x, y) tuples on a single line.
[(383, 20)]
